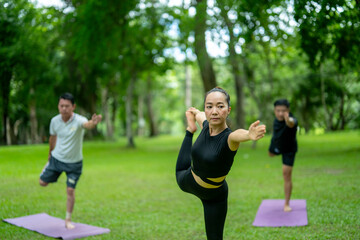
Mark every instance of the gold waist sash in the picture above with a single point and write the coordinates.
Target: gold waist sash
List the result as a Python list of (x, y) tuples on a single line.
[(199, 181)]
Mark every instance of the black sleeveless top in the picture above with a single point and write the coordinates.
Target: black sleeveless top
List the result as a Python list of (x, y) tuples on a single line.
[(284, 138), (211, 155)]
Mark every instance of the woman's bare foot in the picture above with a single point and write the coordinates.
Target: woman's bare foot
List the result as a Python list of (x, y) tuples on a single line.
[(68, 224), (191, 121), (287, 208)]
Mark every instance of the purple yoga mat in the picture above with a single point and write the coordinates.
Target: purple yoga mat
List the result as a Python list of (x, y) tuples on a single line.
[(271, 214), (55, 227)]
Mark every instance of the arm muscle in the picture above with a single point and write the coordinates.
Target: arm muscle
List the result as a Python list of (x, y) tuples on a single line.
[(254, 133), (52, 143)]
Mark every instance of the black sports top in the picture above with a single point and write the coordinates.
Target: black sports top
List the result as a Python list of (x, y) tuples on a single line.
[(211, 155), (284, 138)]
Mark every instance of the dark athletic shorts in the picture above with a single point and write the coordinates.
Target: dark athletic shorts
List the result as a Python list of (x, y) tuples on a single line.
[(288, 158), (54, 168)]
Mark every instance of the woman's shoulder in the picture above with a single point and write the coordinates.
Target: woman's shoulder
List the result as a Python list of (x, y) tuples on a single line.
[(205, 123), (226, 133)]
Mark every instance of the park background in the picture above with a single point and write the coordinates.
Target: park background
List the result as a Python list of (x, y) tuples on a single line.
[(141, 64)]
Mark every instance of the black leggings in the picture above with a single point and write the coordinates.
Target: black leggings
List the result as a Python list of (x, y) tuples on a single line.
[(214, 200)]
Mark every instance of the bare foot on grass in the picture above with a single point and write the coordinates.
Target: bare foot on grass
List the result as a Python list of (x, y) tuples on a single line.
[(191, 121)]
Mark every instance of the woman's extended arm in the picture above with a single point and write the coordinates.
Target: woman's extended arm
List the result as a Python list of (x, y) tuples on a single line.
[(254, 133)]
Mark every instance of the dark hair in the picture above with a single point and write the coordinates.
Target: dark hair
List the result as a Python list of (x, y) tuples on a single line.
[(282, 102), (218, 89), (68, 96)]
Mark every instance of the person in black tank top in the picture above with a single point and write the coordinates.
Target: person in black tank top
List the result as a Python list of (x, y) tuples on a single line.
[(201, 168), (284, 142)]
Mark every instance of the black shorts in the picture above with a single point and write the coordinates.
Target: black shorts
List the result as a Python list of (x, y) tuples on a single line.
[(288, 158), (273, 149), (54, 168)]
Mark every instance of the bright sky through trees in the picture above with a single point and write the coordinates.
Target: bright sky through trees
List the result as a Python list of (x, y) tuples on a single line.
[(214, 49)]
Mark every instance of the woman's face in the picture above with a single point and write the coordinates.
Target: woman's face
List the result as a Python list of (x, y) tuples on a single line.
[(216, 108)]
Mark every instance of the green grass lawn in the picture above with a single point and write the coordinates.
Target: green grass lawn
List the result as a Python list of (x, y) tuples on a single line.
[(134, 192)]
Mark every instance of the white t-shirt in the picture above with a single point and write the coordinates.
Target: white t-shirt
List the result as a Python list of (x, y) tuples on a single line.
[(69, 138)]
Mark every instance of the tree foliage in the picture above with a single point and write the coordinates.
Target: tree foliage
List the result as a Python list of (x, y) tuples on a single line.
[(127, 60), (330, 37)]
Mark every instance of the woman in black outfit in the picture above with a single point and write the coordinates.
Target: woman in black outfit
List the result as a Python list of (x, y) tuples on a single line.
[(201, 169)]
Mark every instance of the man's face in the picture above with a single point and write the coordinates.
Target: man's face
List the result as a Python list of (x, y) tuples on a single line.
[(66, 108), (280, 112)]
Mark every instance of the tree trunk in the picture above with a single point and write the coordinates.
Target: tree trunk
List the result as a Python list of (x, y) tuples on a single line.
[(249, 78), (87, 96), (92, 109), (10, 136), (268, 64), (8, 128), (106, 112), (141, 120), (342, 115), (150, 111), (204, 61), (328, 119), (341, 121), (262, 98), (305, 116), (188, 96), (34, 136), (240, 113), (129, 110), (5, 94), (114, 106), (239, 83)]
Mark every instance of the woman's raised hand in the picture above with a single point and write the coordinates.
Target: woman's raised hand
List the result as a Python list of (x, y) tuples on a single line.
[(194, 110)]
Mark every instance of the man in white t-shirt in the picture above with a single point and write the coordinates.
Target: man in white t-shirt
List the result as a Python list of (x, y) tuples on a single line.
[(65, 155)]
